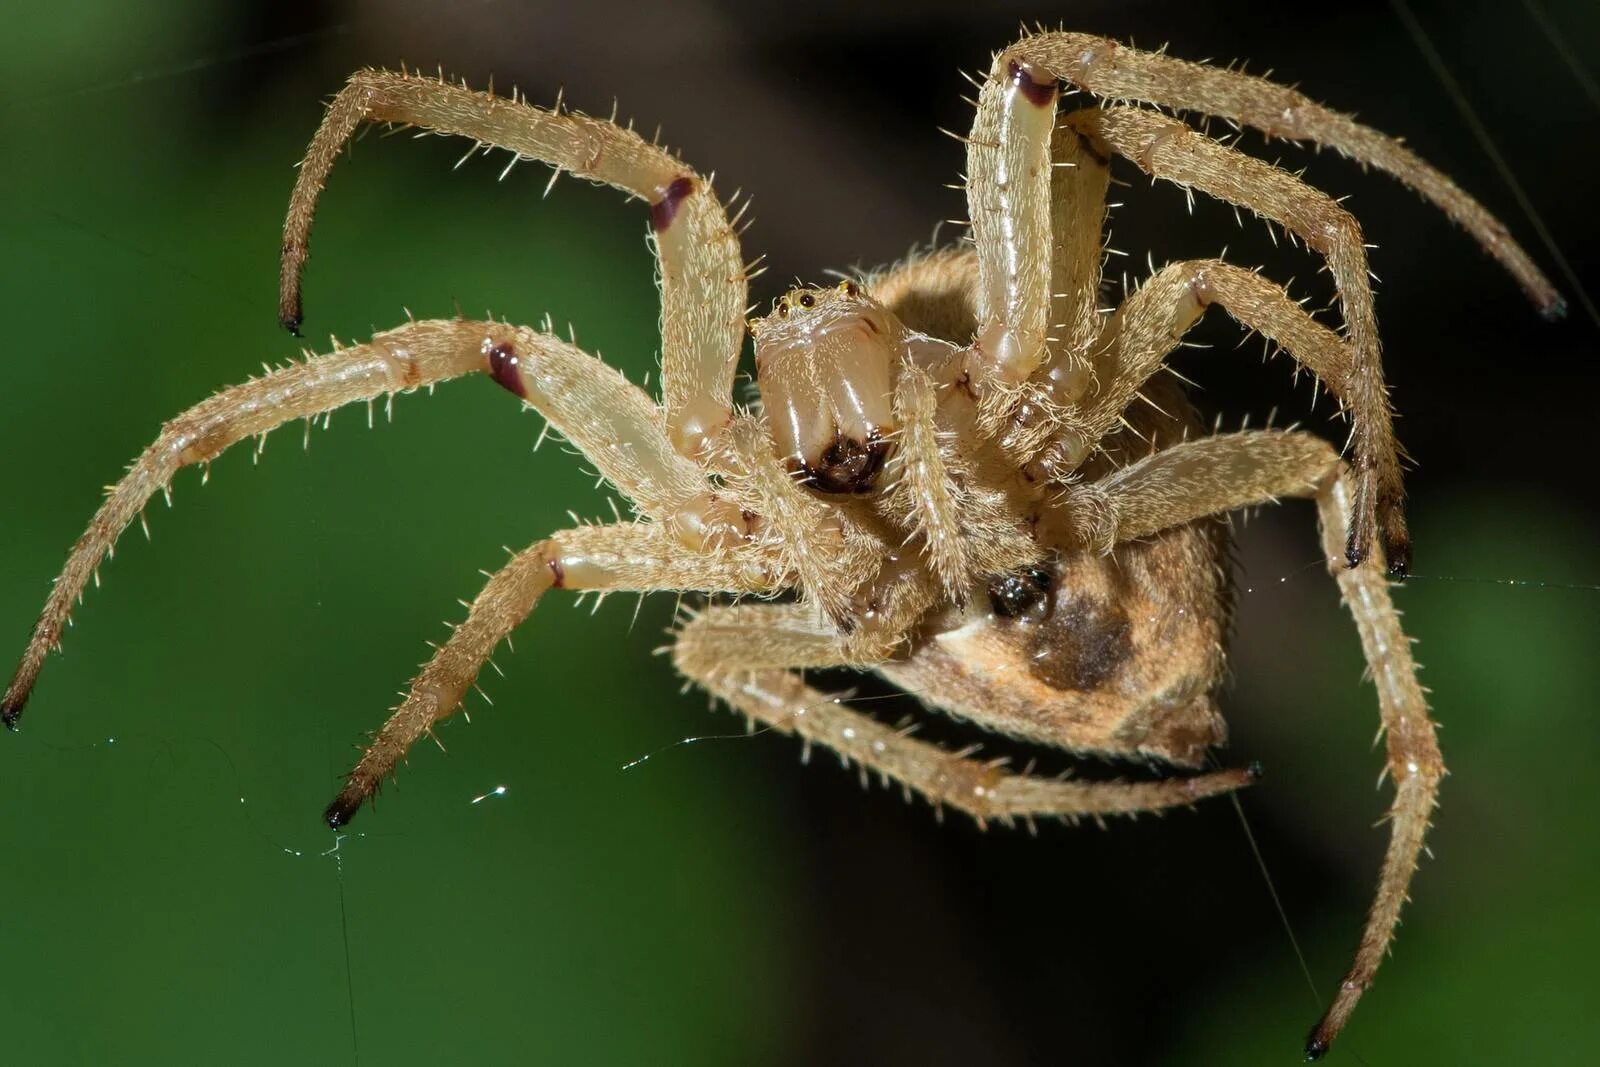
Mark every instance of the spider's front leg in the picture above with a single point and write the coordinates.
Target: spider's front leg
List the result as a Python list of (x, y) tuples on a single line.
[(418, 354), (702, 273), (612, 421)]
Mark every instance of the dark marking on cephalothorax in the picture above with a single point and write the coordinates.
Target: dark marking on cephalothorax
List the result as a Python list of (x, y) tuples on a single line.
[(558, 574), (847, 465), (1021, 592), (1040, 94), (663, 211), (1081, 644), (505, 369)]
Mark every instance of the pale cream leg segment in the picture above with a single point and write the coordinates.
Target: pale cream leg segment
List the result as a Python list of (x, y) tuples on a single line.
[(638, 557), (1113, 71), (713, 655), (1413, 759), (1167, 148), (702, 272), (1008, 196), (1210, 476)]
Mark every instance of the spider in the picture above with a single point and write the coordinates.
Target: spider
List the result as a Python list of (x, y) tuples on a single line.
[(962, 474)]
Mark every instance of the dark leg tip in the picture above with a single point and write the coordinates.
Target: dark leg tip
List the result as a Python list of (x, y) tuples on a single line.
[(11, 713), (1254, 770), (1555, 310), (1354, 556), (344, 807), (291, 322), (1397, 550), (1316, 1047)]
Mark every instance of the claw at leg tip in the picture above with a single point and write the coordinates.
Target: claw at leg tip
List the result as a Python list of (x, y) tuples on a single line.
[(338, 814)]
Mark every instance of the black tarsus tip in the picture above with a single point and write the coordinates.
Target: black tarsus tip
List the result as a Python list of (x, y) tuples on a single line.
[(1316, 1045), (9, 714), (1253, 770), (1555, 310), (1354, 554), (344, 807), (291, 322)]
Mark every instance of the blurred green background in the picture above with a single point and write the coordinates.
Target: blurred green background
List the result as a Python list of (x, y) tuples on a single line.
[(169, 894)]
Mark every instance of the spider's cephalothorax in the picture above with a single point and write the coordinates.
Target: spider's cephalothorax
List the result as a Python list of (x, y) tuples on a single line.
[(950, 466), (825, 361)]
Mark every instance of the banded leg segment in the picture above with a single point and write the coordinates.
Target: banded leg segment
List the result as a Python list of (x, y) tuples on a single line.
[(702, 271), (638, 557), (1112, 71), (713, 650)]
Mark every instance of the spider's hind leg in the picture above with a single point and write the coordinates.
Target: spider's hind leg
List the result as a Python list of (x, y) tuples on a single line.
[(742, 655)]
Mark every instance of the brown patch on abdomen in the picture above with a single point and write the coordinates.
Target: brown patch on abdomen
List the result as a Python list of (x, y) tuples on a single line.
[(1081, 645)]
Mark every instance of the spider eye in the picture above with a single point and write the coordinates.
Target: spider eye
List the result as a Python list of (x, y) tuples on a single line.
[(849, 289), (783, 308), (807, 300)]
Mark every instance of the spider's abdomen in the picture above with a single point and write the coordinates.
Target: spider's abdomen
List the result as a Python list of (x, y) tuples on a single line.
[(1116, 655)]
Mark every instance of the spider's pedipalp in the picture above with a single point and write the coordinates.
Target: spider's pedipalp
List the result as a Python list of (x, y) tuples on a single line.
[(702, 275)]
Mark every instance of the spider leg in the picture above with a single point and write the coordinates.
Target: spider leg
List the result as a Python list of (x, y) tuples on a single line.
[(716, 650), (1167, 148), (616, 425), (702, 272), (1187, 481), (1413, 759), (625, 557), (1222, 473), (1150, 324), (1112, 71)]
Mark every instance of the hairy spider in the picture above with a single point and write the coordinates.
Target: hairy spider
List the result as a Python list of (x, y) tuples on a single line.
[(947, 466)]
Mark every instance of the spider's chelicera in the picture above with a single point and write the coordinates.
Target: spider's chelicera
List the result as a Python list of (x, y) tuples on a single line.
[(953, 464)]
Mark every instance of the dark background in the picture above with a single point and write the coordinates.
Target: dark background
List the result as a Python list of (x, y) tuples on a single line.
[(166, 897)]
